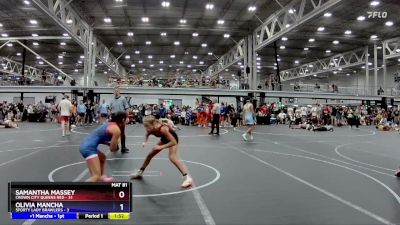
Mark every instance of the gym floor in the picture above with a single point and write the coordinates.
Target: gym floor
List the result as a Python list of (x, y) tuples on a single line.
[(283, 177)]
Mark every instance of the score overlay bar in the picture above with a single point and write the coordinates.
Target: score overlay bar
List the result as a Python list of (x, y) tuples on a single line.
[(69, 200)]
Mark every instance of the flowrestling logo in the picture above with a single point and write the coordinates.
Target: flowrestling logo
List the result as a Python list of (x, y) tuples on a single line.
[(377, 15)]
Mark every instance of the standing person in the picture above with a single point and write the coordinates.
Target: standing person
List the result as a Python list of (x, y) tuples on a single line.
[(119, 105), (103, 110), (89, 112), (248, 118), (81, 112), (169, 139), (65, 108), (106, 134), (215, 111)]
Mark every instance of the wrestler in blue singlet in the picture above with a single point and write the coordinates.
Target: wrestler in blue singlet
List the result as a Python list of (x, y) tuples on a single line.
[(89, 145)]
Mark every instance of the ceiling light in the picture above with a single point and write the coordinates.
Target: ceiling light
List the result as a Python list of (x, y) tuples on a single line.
[(34, 22), (182, 21), (204, 45), (379, 47), (227, 35), (181, 62), (177, 43), (137, 52), (194, 57), (140, 61), (60, 57), (335, 42), (287, 25), (172, 56), (347, 32), (210, 53), (69, 21), (201, 63), (120, 43), (361, 18), (258, 67), (151, 65), (150, 56), (41, 63), (133, 65), (118, 0), (161, 69), (26, 2), (284, 39), (328, 51), (306, 49), (389, 23), (220, 22), (252, 8), (311, 40), (64, 34), (195, 34), (291, 11), (4, 35), (163, 34), (80, 62), (209, 6), (35, 43), (19, 54), (76, 70), (145, 19), (165, 4), (82, 56), (327, 14), (374, 37), (320, 29), (282, 47), (63, 44), (296, 62), (397, 50), (60, 63), (258, 59), (107, 20), (374, 3), (127, 57), (100, 62), (161, 62), (130, 34), (258, 64), (189, 66), (9, 44), (144, 70), (370, 64), (148, 42), (186, 53), (105, 72)]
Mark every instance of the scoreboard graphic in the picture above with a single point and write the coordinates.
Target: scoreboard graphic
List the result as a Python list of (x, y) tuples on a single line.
[(69, 200)]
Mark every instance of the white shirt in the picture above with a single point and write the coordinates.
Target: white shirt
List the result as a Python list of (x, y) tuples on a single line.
[(65, 107)]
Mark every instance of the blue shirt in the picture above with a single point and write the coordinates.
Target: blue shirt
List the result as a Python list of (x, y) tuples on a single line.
[(104, 108), (81, 108)]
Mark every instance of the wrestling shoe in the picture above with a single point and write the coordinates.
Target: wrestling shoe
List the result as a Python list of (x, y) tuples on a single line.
[(137, 176), (397, 173), (187, 183), (244, 136), (251, 137), (107, 179)]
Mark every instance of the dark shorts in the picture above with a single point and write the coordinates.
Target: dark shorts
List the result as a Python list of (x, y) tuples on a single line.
[(164, 139), (81, 114), (104, 115)]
